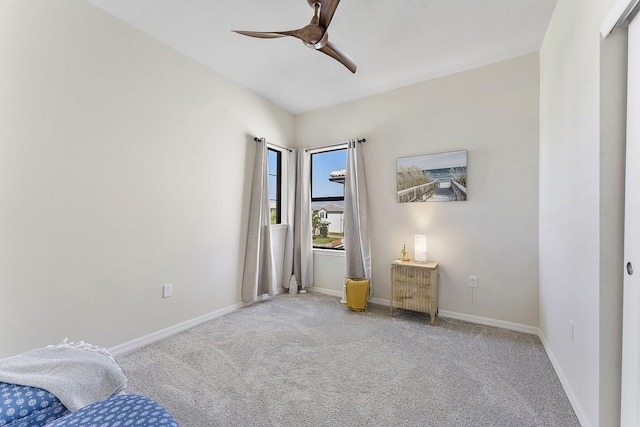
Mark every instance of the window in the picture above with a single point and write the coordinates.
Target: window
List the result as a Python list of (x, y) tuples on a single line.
[(328, 170), (274, 162)]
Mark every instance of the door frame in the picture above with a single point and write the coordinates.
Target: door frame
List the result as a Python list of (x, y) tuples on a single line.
[(622, 14), (618, 16)]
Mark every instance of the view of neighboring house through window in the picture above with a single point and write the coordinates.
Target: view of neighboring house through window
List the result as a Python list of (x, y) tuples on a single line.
[(275, 185), (327, 197)]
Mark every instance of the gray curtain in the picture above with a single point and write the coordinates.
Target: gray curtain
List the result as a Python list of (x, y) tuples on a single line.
[(356, 219), (302, 241), (259, 276), (290, 158)]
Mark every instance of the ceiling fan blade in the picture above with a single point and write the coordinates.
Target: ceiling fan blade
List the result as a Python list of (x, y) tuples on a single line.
[(340, 55), (263, 34), (310, 34), (327, 9)]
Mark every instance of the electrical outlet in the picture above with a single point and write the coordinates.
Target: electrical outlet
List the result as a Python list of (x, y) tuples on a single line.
[(473, 281), (571, 330), (167, 290)]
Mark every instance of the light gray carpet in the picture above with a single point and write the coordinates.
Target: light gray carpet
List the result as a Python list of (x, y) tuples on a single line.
[(306, 360)]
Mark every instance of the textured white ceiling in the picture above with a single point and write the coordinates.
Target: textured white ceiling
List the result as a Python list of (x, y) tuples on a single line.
[(394, 42)]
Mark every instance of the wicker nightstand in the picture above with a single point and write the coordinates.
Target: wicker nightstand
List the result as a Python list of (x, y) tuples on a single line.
[(414, 286)]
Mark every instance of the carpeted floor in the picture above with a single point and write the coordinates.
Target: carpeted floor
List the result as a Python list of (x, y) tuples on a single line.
[(306, 360)]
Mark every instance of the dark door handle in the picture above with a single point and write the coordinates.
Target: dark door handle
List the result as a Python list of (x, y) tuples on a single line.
[(629, 268)]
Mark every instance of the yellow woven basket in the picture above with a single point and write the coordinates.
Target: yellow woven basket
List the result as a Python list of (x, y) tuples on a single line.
[(357, 293)]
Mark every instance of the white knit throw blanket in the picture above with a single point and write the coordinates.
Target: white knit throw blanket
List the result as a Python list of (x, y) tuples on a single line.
[(76, 373)]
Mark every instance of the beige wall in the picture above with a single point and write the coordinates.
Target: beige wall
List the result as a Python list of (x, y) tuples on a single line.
[(123, 166), (581, 182), (492, 112)]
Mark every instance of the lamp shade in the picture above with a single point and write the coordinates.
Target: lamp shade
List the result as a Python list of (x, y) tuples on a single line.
[(420, 248)]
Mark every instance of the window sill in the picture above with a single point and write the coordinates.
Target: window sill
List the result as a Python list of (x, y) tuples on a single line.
[(279, 226), (328, 252)]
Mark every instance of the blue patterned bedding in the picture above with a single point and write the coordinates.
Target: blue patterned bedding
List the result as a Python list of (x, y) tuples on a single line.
[(123, 410), (22, 406)]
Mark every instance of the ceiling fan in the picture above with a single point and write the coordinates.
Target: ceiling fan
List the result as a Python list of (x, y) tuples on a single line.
[(314, 35)]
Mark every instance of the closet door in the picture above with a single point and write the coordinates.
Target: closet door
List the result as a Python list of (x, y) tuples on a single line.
[(630, 408)]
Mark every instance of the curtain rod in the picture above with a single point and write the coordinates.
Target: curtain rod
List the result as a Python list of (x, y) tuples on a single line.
[(256, 139), (361, 141)]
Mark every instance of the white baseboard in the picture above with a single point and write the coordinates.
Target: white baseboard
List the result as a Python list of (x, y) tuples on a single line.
[(450, 314), (566, 385), (326, 291), (338, 294), (164, 333), (518, 327)]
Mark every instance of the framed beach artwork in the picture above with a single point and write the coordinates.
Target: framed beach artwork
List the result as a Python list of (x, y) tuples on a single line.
[(432, 177)]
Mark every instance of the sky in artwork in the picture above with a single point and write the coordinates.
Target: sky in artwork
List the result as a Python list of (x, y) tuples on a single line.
[(435, 161)]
